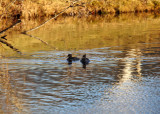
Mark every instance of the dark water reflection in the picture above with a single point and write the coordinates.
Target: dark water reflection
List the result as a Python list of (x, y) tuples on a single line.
[(119, 79)]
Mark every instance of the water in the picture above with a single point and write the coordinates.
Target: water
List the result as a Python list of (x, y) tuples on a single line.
[(122, 77)]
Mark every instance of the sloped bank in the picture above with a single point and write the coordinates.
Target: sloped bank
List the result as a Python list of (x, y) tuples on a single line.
[(42, 8)]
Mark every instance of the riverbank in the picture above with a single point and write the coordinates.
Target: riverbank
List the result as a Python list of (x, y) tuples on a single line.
[(42, 8)]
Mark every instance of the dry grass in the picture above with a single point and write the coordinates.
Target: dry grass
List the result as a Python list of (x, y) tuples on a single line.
[(42, 8)]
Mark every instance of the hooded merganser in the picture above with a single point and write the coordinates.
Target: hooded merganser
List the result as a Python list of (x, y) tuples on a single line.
[(70, 58), (85, 60)]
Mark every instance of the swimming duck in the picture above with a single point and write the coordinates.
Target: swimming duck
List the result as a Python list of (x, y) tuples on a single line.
[(70, 58), (85, 60)]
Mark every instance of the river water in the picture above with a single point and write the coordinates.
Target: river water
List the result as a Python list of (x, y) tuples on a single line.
[(123, 75)]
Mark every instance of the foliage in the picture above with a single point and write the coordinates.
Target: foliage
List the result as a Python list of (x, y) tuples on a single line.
[(42, 8)]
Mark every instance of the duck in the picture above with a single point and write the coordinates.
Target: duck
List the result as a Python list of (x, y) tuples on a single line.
[(70, 58), (85, 60)]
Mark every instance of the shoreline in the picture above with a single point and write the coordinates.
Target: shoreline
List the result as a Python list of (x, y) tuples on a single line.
[(41, 8)]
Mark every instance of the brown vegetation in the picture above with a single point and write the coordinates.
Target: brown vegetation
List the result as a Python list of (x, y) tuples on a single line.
[(47, 8)]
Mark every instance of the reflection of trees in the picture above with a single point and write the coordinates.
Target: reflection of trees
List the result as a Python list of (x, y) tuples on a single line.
[(10, 101)]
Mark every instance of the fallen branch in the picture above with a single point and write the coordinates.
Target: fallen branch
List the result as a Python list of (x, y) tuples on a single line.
[(73, 5), (10, 46), (36, 38), (18, 21), (4, 37)]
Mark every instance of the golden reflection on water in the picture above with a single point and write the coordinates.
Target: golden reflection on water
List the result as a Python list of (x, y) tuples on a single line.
[(84, 33), (10, 101)]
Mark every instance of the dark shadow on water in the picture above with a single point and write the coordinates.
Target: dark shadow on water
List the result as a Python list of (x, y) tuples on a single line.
[(84, 66), (69, 62)]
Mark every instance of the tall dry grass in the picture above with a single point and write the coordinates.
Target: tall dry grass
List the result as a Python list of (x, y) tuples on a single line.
[(42, 8)]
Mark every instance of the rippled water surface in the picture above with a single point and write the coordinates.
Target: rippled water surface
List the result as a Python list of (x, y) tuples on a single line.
[(123, 75)]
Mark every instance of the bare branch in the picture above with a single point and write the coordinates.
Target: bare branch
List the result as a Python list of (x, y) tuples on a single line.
[(38, 39), (73, 5), (35, 38), (10, 46), (18, 21)]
